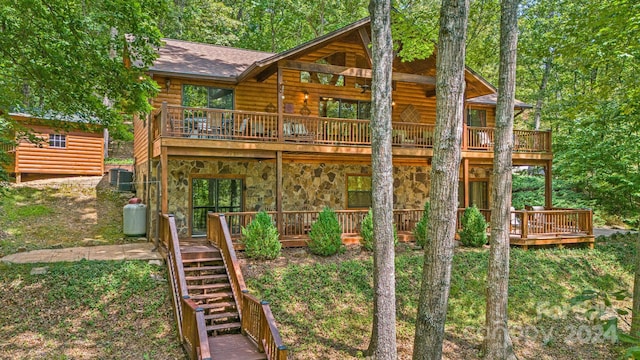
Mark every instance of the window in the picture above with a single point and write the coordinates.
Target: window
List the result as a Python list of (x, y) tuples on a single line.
[(57, 141), (476, 117), (358, 191), (345, 109), (338, 59), (217, 195), (207, 97), (478, 194)]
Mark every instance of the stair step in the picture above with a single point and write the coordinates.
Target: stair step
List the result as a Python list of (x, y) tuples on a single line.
[(217, 305), (223, 315), (215, 295), (204, 268), (220, 285), (226, 326), (207, 277), (207, 259)]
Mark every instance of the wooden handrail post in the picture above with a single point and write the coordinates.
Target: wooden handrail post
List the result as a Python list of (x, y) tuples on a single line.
[(163, 118), (524, 233), (465, 135)]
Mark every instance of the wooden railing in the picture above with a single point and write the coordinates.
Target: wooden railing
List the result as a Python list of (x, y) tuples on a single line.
[(548, 222), (527, 223), (189, 317), (205, 123), (256, 317)]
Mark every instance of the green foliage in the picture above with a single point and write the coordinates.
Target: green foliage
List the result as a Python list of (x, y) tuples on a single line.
[(366, 232), (118, 161), (325, 235), (474, 228), (260, 238), (420, 232)]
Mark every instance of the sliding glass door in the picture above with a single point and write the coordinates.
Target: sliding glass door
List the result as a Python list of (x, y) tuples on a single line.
[(213, 194)]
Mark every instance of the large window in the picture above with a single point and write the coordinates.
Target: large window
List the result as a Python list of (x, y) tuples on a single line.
[(345, 109), (478, 194), (207, 97), (217, 195), (57, 141), (476, 117), (358, 191)]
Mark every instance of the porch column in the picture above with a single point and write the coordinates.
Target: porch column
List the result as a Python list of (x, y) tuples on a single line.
[(280, 92), (548, 188), (164, 180), (465, 179), (279, 217)]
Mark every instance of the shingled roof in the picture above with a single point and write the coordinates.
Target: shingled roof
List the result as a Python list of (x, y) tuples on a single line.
[(204, 60), (492, 99)]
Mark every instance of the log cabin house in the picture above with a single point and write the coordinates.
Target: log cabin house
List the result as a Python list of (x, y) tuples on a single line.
[(65, 147), (237, 131)]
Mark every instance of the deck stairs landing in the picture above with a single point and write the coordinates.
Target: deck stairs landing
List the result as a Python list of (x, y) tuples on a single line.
[(209, 287)]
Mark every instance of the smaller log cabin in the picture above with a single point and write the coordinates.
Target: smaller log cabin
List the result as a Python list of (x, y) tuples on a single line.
[(67, 147), (237, 131)]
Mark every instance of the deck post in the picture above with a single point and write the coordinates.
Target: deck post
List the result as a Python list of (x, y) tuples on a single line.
[(164, 180), (548, 186), (279, 219), (524, 233), (280, 92), (465, 179), (163, 118), (465, 134)]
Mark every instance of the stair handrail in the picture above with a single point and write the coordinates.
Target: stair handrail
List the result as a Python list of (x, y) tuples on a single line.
[(192, 330), (256, 318)]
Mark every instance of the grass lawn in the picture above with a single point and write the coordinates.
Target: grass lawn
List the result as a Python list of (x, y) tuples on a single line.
[(323, 306), (72, 213), (86, 310)]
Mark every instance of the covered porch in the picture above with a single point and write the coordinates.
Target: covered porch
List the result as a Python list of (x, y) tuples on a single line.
[(528, 227)]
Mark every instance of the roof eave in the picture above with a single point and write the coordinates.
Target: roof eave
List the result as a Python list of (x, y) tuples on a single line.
[(189, 75)]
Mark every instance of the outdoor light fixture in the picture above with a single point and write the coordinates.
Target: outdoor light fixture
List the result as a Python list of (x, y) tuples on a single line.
[(306, 97), (282, 91), (167, 84)]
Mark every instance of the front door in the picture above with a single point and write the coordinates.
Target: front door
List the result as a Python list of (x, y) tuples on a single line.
[(213, 194)]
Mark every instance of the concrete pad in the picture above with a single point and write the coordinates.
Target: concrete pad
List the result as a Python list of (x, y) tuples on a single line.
[(35, 256), (107, 252), (69, 254), (140, 252)]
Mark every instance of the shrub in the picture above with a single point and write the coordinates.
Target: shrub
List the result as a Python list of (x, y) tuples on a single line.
[(474, 228), (420, 232), (325, 235), (260, 238), (366, 231)]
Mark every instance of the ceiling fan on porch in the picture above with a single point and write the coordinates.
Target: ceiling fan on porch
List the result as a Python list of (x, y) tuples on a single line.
[(364, 87)]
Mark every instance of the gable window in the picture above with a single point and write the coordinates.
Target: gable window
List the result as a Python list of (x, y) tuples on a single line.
[(476, 117), (57, 141), (344, 109), (207, 97), (312, 77), (358, 191)]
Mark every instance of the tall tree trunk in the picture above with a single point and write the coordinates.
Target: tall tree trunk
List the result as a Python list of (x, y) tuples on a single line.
[(635, 314), (541, 93), (383, 334), (450, 87), (497, 341)]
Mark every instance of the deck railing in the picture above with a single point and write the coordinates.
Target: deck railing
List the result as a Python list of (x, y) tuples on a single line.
[(538, 223), (204, 123), (256, 318), (189, 317)]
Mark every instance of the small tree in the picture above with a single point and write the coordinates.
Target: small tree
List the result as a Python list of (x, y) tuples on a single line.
[(325, 235), (366, 232), (420, 232), (260, 238), (474, 228)]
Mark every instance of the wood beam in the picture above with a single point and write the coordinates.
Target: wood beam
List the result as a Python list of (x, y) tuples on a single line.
[(366, 41), (279, 191), (355, 72), (548, 186), (267, 73), (465, 179), (164, 181)]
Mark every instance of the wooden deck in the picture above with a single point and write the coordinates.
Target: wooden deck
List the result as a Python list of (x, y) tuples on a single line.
[(234, 347)]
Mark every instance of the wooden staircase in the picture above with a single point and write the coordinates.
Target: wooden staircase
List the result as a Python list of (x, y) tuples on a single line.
[(210, 299)]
